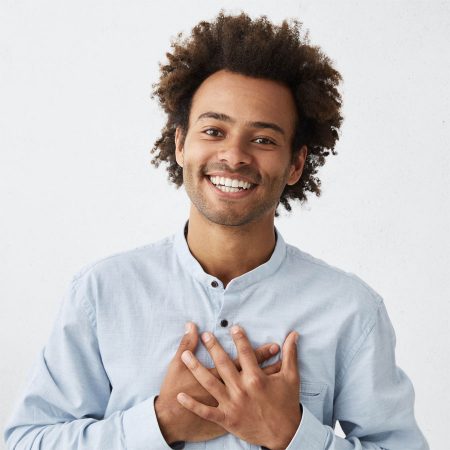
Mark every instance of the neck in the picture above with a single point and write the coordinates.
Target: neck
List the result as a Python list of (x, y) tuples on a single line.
[(227, 252)]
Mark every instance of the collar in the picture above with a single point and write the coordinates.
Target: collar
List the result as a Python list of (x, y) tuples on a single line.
[(263, 271)]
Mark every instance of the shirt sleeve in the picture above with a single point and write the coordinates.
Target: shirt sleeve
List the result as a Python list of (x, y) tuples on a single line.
[(65, 400), (374, 400)]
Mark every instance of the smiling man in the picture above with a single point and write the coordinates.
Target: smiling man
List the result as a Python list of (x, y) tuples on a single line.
[(253, 111)]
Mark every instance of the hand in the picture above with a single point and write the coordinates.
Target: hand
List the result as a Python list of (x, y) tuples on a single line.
[(262, 409), (179, 424)]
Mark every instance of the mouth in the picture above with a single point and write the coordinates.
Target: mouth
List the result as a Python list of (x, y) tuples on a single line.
[(230, 188)]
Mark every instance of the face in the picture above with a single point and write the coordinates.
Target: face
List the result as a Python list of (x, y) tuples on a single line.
[(236, 156)]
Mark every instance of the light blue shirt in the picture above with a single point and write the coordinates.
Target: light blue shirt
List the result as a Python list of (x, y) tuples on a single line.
[(121, 321)]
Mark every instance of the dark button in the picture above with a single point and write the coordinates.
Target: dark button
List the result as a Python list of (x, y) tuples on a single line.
[(214, 283), (178, 445), (224, 323)]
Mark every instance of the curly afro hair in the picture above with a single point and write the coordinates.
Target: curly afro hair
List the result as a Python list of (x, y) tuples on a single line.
[(259, 49)]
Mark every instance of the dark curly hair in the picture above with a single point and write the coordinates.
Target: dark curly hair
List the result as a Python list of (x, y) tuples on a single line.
[(259, 49)]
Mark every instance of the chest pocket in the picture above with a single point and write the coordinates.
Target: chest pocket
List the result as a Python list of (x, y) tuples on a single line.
[(312, 396)]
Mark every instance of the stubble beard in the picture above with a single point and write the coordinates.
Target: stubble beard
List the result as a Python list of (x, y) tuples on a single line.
[(229, 213)]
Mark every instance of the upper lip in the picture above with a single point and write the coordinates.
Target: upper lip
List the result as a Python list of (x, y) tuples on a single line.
[(231, 176)]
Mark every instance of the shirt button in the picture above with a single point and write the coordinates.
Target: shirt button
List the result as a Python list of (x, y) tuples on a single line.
[(214, 283), (224, 323)]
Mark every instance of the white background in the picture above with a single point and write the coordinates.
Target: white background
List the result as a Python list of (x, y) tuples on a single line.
[(77, 125)]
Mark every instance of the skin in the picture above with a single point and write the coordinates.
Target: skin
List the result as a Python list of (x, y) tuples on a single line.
[(259, 408), (176, 422), (230, 235)]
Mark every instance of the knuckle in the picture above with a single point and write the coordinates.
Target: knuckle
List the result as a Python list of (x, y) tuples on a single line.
[(221, 360), (209, 384), (246, 350), (240, 393), (255, 382), (209, 415)]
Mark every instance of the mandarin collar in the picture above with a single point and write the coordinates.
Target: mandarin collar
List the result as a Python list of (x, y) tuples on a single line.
[(263, 271)]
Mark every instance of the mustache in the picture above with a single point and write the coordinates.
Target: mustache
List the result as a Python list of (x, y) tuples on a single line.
[(247, 172)]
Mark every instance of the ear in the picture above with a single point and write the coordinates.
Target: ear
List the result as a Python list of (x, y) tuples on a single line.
[(179, 147), (297, 166)]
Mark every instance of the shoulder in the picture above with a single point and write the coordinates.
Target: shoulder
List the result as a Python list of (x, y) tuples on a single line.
[(144, 258), (344, 288)]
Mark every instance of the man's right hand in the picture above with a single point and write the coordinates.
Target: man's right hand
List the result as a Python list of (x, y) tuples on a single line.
[(178, 423)]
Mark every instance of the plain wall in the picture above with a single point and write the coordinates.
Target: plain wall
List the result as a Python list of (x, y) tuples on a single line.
[(76, 184)]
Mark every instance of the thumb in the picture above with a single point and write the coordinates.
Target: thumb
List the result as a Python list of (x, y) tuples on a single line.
[(289, 365), (189, 341)]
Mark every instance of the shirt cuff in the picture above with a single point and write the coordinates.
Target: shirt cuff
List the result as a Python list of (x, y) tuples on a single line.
[(311, 434), (141, 428)]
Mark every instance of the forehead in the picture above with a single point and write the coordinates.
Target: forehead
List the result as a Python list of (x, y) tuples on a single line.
[(245, 99)]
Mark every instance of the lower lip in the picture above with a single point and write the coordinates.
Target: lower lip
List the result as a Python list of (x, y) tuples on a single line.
[(231, 195)]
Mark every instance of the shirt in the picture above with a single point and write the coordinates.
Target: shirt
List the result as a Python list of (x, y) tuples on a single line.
[(121, 320)]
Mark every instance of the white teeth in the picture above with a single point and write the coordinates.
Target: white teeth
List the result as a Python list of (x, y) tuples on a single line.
[(230, 183), (227, 188)]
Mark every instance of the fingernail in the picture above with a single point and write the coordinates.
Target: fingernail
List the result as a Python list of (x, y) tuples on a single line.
[(273, 349), (296, 337), (206, 337), (188, 327), (235, 329), (186, 356)]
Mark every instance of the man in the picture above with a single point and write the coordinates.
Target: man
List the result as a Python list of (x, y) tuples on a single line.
[(253, 111)]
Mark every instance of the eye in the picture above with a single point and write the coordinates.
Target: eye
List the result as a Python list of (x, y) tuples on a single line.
[(265, 141), (214, 132)]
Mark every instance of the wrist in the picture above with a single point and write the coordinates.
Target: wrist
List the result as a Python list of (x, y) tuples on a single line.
[(283, 443), (164, 417)]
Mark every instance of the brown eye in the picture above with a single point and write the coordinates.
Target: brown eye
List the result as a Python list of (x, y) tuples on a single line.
[(264, 141), (212, 132)]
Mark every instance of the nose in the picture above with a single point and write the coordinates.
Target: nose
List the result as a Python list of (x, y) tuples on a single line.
[(234, 152)]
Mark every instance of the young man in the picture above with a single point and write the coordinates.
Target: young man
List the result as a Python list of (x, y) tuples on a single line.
[(253, 111)]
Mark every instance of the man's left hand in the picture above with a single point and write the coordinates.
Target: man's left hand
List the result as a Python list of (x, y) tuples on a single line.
[(261, 409)]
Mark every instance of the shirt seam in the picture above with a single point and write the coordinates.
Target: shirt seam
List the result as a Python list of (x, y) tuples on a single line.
[(86, 306), (357, 347), (296, 252)]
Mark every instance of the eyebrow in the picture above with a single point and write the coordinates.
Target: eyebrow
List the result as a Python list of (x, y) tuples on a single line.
[(225, 118)]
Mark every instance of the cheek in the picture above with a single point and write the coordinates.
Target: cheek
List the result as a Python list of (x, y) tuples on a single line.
[(197, 152)]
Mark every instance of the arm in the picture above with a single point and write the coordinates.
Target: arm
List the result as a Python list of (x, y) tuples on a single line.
[(66, 397), (374, 400)]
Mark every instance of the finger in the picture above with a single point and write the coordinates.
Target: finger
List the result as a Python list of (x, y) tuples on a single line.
[(262, 353), (210, 413), (289, 365), (266, 352), (222, 361), (203, 375), (189, 341), (273, 368), (246, 355)]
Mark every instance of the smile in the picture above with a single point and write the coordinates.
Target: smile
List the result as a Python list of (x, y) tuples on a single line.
[(230, 185)]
